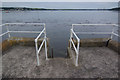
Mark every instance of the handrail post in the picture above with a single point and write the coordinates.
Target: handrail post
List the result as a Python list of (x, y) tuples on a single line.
[(71, 35), (70, 38), (45, 43), (112, 33), (76, 64), (78, 43), (72, 26), (38, 63), (8, 32)]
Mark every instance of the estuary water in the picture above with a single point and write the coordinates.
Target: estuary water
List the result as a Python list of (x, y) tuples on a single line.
[(59, 23)]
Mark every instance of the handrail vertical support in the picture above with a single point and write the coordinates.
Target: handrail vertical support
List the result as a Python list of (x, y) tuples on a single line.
[(46, 49), (45, 43), (76, 64), (70, 38), (78, 43), (71, 35), (8, 32), (72, 26), (112, 33), (38, 63)]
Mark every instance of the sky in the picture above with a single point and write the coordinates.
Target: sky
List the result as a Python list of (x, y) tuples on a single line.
[(63, 5), (102, 4), (60, 0)]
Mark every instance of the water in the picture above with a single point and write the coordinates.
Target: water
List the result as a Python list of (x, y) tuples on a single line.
[(58, 24)]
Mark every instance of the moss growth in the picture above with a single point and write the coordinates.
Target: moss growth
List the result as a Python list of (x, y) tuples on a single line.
[(5, 45), (97, 42)]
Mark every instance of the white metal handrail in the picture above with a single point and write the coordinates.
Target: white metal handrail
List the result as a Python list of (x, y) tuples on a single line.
[(24, 31), (3, 34), (36, 40), (44, 41), (93, 32), (24, 24), (112, 33), (8, 31), (72, 32), (95, 24), (76, 48)]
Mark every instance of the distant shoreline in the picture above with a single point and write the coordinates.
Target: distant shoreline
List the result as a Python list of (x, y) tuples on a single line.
[(43, 9)]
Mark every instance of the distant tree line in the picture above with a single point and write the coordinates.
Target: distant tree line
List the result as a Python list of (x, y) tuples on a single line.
[(25, 8), (118, 8), (20, 8)]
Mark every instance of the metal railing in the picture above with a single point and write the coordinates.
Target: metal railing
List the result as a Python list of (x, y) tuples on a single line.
[(36, 39), (72, 32), (44, 41), (76, 48)]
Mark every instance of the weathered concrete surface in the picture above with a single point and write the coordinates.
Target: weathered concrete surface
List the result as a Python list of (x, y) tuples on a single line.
[(98, 42), (93, 62), (19, 61), (97, 62), (114, 45), (94, 42), (5, 45)]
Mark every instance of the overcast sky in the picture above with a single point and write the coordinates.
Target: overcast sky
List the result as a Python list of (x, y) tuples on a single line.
[(103, 4), (59, 0), (63, 5)]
